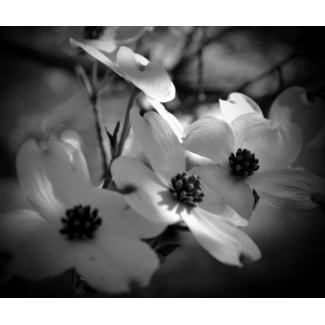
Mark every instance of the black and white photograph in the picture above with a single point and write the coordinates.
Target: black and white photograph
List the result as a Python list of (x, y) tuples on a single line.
[(150, 161)]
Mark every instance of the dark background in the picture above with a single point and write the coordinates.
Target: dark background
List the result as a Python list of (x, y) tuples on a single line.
[(40, 94)]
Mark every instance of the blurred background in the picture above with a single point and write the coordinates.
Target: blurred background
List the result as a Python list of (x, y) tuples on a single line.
[(41, 95)]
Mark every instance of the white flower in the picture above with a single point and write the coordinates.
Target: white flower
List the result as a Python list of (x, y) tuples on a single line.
[(149, 77), (293, 106), (170, 194), (74, 225), (254, 151)]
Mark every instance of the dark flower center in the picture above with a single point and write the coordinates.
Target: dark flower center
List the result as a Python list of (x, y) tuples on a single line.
[(80, 222), (243, 164), (93, 32), (187, 189)]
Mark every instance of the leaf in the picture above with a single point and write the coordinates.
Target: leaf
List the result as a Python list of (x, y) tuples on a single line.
[(166, 249), (113, 139)]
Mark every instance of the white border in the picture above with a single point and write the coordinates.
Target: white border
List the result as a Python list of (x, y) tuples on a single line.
[(162, 12)]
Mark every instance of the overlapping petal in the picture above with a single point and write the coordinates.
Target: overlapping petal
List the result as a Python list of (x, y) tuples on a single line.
[(275, 146), (210, 138), (35, 182), (214, 203), (35, 245), (117, 265), (293, 106), (118, 219), (150, 77), (159, 143), (291, 189), (235, 192), (144, 192), (172, 121), (108, 59), (236, 105), (222, 240), (59, 172)]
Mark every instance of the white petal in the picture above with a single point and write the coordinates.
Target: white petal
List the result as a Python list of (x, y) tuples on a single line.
[(35, 183), (210, 138), (236, 105), (172, 121), (38, 250), (160, 144), (222, 240), (293, 106), (117, 265), (118, 219), (291, 189), (146, 194), (107, 59), (275, 146), (106, 45), (214, 203), (150, 77), (56, 174), (235, 192)]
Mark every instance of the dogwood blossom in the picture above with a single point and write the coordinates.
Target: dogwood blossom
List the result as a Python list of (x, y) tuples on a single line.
[(254, 151), (149, 77), (74, 225), (169, 194)]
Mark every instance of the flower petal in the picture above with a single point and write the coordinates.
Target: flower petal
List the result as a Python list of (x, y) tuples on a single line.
[(222, 240), (38, 250), (160, 144), (235, 192), (150, 77), (107, 59), (213, 203), (293, 106), (291, 189), (118, 219), (56, 174), (236, 105), (144, 191), (117, 265), (35, 183), (275, 146), (172, 121), (210, 138)]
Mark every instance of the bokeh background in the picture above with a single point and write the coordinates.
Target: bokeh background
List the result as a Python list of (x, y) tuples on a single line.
[(41, 95)]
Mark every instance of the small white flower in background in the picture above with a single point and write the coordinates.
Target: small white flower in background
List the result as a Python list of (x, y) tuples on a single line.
[(293, 106), (150, 77), (169, 194), (254, 151), (74, 225)]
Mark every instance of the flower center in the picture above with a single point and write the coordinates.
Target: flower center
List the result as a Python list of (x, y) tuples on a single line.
[(243, 164), (187, 189), (93, 32), (80, 222)]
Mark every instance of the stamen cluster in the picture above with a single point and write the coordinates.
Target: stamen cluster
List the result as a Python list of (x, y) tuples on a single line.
[(187, 189), (80, 222), (93, 32), (243, 164)]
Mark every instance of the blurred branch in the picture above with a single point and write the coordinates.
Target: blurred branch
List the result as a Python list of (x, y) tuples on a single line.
[(269, 71)]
